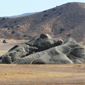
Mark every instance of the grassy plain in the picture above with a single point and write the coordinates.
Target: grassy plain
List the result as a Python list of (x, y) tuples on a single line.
[(42, 74)]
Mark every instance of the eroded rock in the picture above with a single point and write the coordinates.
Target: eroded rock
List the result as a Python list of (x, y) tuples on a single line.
[(45, 50)]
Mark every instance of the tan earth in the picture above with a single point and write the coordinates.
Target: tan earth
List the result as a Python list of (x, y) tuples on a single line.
[(42, 74)]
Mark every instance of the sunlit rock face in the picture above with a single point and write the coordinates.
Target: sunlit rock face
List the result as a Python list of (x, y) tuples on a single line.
[(45, 50)]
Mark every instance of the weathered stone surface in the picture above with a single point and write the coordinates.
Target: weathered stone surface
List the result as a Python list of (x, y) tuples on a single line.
[(44, 41), (46, 50), (19, 51), (77, 52), (50, 56)]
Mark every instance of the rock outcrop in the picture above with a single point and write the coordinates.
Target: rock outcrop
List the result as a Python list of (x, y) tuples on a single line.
[(46, 50)]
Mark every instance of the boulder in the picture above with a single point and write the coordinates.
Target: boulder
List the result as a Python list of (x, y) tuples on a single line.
[(45, 41), (18, 51), (50, 56), (77, 51), (45, 50)]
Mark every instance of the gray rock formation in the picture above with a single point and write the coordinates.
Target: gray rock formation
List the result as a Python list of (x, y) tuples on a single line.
[(18, 51), (46, 50), (50, 56), (44, 41)]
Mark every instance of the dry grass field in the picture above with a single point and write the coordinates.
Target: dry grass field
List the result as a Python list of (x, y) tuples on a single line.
[(42, 74)]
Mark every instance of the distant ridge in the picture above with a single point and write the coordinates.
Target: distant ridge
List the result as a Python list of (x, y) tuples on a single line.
[(66, 19)]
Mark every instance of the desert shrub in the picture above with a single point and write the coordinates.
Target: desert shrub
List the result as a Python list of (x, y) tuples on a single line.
[(5, 26), (13, 32), (54, 9), (3, 18), (45, 15), (68, 34), (15, 21), (61, 30), (17, 26), (24, 35), (4, 41), (44, 11), (8, 28)]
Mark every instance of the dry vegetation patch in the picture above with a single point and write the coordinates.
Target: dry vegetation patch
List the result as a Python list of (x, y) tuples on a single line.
[(42, 74)]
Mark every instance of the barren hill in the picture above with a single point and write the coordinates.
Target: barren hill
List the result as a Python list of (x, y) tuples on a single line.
[(59, 21)]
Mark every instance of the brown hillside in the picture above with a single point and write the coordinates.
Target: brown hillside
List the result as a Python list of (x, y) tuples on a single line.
[(67, 18)]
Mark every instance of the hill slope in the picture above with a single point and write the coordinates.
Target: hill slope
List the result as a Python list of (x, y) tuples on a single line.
[(67, 18)]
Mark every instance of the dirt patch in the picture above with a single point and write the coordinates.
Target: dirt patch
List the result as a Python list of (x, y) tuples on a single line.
[(42, 74)]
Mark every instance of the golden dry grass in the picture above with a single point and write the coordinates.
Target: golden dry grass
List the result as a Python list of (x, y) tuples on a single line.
[(2, 52), (42, 74)]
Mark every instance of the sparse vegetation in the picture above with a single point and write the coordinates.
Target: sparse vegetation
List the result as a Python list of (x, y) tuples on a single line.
[(24, 35), (15, 21), (61, 30), (4, 41), (54, 9), (44, 11), (68, 34), (71, 17), (2, 18), (5, 26), (13, 32), (45, 15), (2, 52)]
